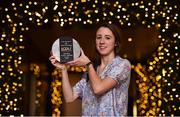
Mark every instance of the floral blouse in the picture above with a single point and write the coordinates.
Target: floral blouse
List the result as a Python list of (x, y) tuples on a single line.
[(115, 101)]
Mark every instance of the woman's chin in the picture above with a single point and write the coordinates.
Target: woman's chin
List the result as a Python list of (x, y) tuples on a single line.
[(103, 53)]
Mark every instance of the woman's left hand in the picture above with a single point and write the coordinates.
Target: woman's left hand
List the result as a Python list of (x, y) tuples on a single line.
[(81, 61)]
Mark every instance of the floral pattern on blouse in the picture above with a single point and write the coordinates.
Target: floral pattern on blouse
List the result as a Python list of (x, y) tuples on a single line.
[(115, 101)]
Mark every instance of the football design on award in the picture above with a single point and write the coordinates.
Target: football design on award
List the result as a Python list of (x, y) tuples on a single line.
[(66, 49)]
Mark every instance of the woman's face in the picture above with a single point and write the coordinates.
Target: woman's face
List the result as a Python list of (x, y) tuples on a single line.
[(105, 41)]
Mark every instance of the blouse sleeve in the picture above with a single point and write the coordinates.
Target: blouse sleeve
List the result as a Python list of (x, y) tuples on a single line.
[(79, 86), (120, 72)]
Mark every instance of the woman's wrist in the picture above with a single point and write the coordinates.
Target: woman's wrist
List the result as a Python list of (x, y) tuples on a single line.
[(87, 65), (62, 68)]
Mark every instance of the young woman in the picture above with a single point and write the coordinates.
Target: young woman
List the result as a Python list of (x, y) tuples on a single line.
[(104, 91)]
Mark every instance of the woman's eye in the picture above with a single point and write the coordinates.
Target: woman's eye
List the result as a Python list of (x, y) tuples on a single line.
[(108, 38), (98, 37)]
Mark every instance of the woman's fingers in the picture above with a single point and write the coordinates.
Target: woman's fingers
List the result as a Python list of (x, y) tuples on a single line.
[(53, 60), (73, 63), (82, 52), (51, 57), (56, 63)]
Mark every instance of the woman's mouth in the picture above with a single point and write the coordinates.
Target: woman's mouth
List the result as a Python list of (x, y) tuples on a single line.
[(102, 47)]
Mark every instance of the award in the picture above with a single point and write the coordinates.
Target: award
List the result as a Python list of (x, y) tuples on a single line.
[(66, 49)]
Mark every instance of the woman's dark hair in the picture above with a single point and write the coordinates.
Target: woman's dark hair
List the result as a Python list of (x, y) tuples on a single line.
[(117, 34)]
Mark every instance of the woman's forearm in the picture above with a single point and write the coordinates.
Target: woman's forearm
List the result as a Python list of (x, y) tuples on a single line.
[(94, 79), (100, 86), (66, 86)]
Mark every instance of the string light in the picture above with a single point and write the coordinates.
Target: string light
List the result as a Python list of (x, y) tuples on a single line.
[(148, 91), (20, 16), (56, 93)]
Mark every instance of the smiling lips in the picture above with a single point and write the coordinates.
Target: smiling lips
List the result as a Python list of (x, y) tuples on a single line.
[(102, 47)]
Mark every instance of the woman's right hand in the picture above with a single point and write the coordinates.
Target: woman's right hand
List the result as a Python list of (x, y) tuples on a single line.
[(81, 61), (56, 63)]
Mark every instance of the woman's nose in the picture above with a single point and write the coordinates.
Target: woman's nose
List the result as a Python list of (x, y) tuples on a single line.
[(102, 41)]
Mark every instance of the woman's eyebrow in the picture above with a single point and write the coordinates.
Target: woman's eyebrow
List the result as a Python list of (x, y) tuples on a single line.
[(108, 35), (105, 35)]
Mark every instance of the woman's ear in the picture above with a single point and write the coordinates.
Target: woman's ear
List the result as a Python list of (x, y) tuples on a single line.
[(115, 44)]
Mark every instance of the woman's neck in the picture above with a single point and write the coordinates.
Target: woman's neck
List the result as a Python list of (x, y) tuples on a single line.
[(107, 59)]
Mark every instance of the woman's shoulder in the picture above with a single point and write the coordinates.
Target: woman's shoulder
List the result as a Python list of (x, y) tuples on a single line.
[(119, 60)]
